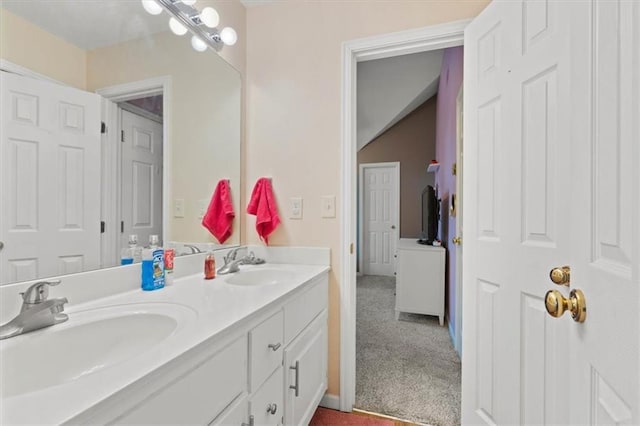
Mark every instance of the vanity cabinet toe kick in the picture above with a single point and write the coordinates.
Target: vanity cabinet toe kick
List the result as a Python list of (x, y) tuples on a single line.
[(250, 377)]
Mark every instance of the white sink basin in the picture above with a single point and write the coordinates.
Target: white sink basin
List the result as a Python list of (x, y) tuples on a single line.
[(259, 277), (88, 342)]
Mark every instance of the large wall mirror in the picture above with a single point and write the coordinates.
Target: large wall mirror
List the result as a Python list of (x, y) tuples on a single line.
[(72, 188)]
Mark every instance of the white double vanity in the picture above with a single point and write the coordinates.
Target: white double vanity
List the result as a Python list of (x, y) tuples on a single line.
[(248, 348)]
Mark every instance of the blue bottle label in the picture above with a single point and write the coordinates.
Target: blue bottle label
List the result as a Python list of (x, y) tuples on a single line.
[(153, 271)]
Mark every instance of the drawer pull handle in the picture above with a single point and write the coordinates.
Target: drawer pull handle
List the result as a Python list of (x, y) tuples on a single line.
[(296, 387), (274, 347), (251, 422), (272, 408)]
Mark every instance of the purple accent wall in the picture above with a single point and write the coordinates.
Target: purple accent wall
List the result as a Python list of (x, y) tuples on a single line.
[(450, 82)]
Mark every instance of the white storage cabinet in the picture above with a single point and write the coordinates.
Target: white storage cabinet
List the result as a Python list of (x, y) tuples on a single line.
[(271, 371), (420, 279)]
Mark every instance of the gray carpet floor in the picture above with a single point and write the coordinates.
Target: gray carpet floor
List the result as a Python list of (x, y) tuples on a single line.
[(406, 368)]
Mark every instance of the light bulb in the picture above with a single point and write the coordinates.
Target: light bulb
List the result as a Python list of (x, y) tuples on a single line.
[(176, 27), (198, 44), (228, 36), (189, 2), (152, 7), (210, 17)]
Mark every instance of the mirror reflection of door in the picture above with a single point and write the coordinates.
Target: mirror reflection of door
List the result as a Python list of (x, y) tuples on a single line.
[(141, 172), (50, 181)]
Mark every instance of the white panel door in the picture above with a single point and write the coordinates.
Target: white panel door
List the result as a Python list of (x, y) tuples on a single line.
[(605, 213), (49, 179), (548, 135), (141, 178), (380, 218)]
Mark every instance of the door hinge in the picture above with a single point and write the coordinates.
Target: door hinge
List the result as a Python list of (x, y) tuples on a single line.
[(102, 226), (351, 249), (103, 127), (122, 227), (121, 135)]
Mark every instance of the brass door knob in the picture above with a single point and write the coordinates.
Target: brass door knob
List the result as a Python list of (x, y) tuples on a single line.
[(561, 275), (557, 304), (457, 240)]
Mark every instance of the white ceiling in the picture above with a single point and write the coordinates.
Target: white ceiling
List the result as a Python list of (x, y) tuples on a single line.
[(391, 88), (89, 24)]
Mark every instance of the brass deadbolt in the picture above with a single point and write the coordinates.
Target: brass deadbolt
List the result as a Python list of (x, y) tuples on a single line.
[(557, 304), (561, 275)]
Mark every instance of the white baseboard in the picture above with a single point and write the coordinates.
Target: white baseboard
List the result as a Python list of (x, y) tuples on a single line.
[(330, 401)]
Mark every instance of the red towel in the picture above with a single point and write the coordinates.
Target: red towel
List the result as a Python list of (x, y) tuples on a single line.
[(263, 206), (220, 214)]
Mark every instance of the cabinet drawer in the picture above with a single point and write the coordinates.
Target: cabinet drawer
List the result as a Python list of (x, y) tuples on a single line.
[(265, 349), (269, 396), (200, 395), (299, 312)]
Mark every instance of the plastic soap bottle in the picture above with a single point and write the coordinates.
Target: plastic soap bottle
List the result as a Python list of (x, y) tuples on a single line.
[(169, 255), (153, 265), (133, 253)]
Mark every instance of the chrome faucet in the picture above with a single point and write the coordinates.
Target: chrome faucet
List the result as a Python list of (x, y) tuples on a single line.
[(231, 264), (194, 249), (36, 312)]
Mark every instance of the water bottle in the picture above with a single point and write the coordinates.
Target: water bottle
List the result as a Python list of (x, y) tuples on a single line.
[(128, 254)]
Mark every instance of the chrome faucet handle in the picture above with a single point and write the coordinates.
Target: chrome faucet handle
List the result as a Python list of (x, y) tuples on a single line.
[(38, 292)]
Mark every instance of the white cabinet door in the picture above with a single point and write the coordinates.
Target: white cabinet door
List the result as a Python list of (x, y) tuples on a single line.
[(49, 179), (305, 363), (237, 414)]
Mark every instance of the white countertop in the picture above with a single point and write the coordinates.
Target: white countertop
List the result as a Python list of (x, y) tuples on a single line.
[(216, 307)]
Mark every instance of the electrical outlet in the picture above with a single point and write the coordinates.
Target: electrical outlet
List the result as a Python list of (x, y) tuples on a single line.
[(296, 208), (328, 206), (178, 207)]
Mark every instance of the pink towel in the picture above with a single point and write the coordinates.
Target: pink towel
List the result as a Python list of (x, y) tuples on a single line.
[(263, 206), (220, 214)]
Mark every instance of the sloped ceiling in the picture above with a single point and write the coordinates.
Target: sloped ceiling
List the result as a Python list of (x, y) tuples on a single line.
[(391, 88)]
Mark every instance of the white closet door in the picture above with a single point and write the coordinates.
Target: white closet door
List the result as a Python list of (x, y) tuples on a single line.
[(49, 179), (141, 178)]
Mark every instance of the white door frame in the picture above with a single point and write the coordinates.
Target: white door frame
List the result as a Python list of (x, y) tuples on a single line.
[(111, 191), (377, 47), (459, 248), (363, 166)]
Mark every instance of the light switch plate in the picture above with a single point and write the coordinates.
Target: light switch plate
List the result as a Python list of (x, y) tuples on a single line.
[(178, 207), (328, 206), (202, 207), (296, 208)]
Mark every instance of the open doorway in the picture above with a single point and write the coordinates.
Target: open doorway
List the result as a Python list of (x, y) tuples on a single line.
[(406, 360), (141, 169), (135, 163)]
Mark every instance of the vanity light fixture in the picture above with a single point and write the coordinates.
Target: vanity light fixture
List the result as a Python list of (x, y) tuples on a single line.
[(152, 7), (176, 27), (202, 25)]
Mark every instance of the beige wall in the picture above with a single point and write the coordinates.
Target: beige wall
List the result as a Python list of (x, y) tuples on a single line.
[(205, 119), (293, 110), (27, 45), (412, 142)]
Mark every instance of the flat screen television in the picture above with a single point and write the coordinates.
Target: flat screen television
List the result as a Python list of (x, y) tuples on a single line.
[(430, 216)]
